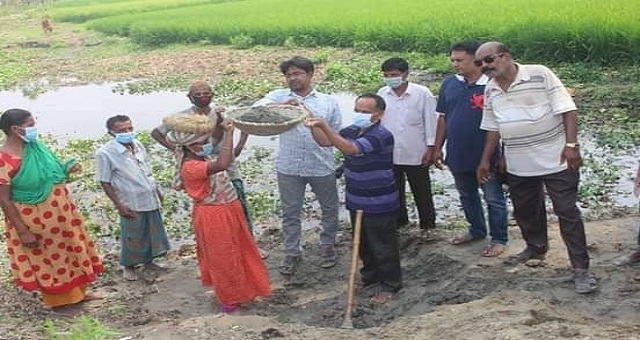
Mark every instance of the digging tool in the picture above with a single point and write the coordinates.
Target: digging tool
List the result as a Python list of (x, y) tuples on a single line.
[(348, 323)]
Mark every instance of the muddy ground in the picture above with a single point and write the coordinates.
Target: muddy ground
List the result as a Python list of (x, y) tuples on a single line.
[(450, 292)]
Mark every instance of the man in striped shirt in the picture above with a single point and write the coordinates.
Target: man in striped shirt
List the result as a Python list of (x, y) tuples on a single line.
[(368, 149), (529, 107)]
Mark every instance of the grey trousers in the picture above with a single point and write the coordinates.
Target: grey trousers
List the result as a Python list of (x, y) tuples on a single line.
[(292, 190)]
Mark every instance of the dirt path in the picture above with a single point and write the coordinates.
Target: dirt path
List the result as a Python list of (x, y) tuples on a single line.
[(450, 293)]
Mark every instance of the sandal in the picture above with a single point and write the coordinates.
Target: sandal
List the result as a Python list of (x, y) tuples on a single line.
[(129, 274), (226, 309), (529, 253), (493, 250), (429, 235), (465, 239), (585, 282)]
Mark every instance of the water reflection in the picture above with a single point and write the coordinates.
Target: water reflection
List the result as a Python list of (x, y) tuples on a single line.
[(81, 111)]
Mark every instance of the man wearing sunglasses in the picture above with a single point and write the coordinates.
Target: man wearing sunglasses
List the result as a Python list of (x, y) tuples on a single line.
[(459, 108), (531, 110)]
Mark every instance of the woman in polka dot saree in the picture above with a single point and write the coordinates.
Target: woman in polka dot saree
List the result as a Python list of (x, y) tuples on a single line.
[(47, 244)]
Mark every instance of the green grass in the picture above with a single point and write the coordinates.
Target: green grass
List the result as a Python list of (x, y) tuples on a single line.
[(549, 30), (82, 328), (81, 11)]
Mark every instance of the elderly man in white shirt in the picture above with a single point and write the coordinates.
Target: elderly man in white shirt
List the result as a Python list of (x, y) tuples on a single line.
[(411, 118), (125, 176)]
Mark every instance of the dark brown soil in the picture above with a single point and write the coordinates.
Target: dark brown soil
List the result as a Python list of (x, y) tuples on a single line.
[(264, 114)]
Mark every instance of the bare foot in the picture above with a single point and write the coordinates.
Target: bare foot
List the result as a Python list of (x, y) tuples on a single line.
[(381, 298), (93, 297), (465, 239), (494, 250)]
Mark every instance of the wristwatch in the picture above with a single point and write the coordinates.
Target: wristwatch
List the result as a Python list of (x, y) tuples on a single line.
[(571, 145)]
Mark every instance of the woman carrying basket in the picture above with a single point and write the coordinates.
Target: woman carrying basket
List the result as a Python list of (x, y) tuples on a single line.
[(228, 258)]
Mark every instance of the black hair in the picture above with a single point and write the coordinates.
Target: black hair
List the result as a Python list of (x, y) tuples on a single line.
[(380, 104), (298, 62), (116, 119), (503, 48), (468, 46), (392, 64), (13, 117)]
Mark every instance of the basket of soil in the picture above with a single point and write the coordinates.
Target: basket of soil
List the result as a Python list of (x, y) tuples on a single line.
[(267, 120)]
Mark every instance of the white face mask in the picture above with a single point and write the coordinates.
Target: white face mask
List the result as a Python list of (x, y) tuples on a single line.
[(30, 134), (361, 120), (393, 82)]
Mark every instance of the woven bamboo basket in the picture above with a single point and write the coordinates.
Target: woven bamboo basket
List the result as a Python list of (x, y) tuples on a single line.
[(293, 115)]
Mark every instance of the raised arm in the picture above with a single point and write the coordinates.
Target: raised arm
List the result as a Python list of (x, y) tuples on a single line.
[(346, 146)]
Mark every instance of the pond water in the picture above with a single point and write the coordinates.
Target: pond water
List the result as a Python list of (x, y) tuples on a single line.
[(81, 112)]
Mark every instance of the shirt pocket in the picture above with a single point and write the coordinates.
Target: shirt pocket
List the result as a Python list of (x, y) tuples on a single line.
[(414, 116)]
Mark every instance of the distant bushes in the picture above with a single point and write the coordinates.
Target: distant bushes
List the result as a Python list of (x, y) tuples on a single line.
[(553, 30)]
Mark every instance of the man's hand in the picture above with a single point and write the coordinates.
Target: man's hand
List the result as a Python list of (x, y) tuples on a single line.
[(429, 156), (483, 172), (127, 213), (315, 122), (292, 101), (438, 159), (573, 158)]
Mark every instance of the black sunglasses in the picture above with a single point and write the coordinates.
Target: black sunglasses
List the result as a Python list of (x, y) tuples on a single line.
[(487, 59)]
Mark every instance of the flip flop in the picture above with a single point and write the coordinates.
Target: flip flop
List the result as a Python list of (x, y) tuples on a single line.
[(465, 239), (636, 278), (493, 250)]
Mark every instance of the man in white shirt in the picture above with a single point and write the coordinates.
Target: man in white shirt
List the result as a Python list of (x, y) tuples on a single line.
[(124, 173), (531, 110), (411, 118)]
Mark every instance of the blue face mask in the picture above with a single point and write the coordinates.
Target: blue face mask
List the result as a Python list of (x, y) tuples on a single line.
[(30, 134), (124, 138), (361, 120), (393, 82), (207, 150)]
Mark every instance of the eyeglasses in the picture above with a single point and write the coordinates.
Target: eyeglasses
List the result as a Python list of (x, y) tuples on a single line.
[(487, 59), (294, 74)]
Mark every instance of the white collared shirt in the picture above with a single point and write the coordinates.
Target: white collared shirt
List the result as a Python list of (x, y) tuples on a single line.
[(129, 174), (411, 118), (529, 118)]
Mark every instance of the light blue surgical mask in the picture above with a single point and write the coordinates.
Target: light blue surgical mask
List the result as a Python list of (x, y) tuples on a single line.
[(361, 120), (207, 150), (124, 138), (393, 82), (30, 134)]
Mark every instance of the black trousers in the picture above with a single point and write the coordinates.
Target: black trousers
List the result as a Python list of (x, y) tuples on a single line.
[(420, 183), (379, 251), (527, 196)]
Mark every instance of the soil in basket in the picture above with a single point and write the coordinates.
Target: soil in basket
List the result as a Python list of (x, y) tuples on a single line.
[(263, 115)]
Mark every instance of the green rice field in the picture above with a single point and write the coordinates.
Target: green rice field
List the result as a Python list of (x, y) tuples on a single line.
[(547, 30)]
